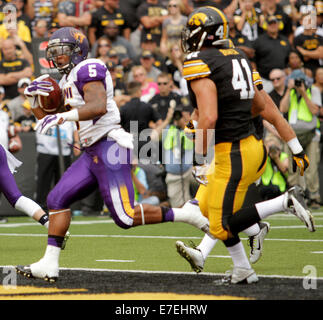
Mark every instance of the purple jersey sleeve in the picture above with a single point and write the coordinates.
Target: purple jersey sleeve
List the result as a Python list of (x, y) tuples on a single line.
[(90, 72)]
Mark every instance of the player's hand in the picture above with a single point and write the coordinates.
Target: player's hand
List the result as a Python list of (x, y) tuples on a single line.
[(38, 88), (189, 130), (49, 121), (200, 173), (301, 161)]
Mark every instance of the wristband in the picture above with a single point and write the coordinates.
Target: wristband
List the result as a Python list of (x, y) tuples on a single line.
[(295, 146), (72, 115)]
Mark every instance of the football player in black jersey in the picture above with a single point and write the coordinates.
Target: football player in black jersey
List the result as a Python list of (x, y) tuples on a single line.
[(222, 91)]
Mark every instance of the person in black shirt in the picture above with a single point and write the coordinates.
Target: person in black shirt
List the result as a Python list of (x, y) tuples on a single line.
[(161, 101), (277, 77), (12, 69), (103, 16), (137, 116), (271, 51)]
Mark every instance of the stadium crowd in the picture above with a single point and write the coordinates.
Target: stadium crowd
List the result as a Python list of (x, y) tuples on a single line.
[(139, 41)]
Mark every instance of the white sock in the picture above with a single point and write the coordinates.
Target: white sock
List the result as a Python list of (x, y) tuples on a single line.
[(27, 206), (206, 245), (52, 254), (239, 256), (269, 207), (252, 231)]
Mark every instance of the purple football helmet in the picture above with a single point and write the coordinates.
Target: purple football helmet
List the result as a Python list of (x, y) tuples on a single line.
[(67, 41)]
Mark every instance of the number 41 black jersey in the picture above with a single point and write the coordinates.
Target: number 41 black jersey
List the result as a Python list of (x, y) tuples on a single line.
[(232, 73)]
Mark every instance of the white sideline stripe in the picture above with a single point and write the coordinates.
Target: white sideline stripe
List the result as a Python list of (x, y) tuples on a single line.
[(217, 256), (33, 224), (172, 272), (112, 260), (142, 237), (317, 252)]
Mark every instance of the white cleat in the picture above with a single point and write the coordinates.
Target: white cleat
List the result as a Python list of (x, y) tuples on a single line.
[(256, 242), (294, 203), (196, 217), (238, 276), (41, 270), (192, 255)]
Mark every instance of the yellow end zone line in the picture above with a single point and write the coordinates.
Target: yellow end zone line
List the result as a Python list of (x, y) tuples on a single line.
[(38, 293)]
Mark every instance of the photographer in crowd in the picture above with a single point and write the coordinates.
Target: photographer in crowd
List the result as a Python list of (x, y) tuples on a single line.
[(178, 155), (274, 179), (302, 105)]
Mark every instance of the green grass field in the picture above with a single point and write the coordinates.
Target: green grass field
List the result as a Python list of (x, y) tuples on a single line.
[(97, 243)]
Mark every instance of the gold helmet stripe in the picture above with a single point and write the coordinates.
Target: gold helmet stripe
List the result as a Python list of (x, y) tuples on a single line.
[(224, 19)]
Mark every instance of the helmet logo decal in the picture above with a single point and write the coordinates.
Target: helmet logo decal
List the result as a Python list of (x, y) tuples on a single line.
[(77, 35), (198, 19)]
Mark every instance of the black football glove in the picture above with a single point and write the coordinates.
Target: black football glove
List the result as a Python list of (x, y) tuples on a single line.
[(301, 161)]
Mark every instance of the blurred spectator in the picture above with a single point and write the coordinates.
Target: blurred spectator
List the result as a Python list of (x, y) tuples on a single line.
[(40, 29), (147, 60), (48, 163), (156, 174), (120, 44), (271, 51), (128, 8), (302, 104), (12, 69), (272, 8), (247, 19), (174, 64), (148, 88), (309, 44), (319, 84), (26, 122), (102, 18), (239, 40), (172, 26), (278, 79), (178, 150), (227, 6), (40, 10), (120, 91), (294, 62), (161, 101), (16, 104), (141, 186), (142, 113), (151, 14), (274, 180), (73, 14), (52, 27), (103, 47)]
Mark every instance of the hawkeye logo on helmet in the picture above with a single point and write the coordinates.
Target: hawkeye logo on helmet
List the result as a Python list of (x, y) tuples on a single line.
[(198, 19)]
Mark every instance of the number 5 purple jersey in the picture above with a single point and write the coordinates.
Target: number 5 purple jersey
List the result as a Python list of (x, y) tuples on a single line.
[(72, 85)]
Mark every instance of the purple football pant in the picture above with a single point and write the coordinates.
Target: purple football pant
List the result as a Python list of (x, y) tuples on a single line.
[(8, 183), (105, 165)]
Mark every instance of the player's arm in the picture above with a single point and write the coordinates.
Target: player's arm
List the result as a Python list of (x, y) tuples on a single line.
[(207, 101), (95, 98), (258, 103)]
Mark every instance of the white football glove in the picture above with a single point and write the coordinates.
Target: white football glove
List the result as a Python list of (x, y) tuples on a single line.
[(200, 173), (52, 120), (38, 88)]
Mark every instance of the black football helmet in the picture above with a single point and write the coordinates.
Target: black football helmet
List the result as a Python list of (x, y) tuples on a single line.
[(207, 27)]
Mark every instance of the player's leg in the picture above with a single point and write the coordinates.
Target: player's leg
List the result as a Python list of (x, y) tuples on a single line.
[(11, 191), (113, 173), (76, 183)]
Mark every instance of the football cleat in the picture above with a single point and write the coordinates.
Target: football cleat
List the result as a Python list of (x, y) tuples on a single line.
[(196, 217), (67, 236), (294, 203), (256, 242), (238, 275), (39, 270), (192, 255)]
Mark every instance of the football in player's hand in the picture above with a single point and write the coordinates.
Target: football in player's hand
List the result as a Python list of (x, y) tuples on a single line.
[(52, 103)]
